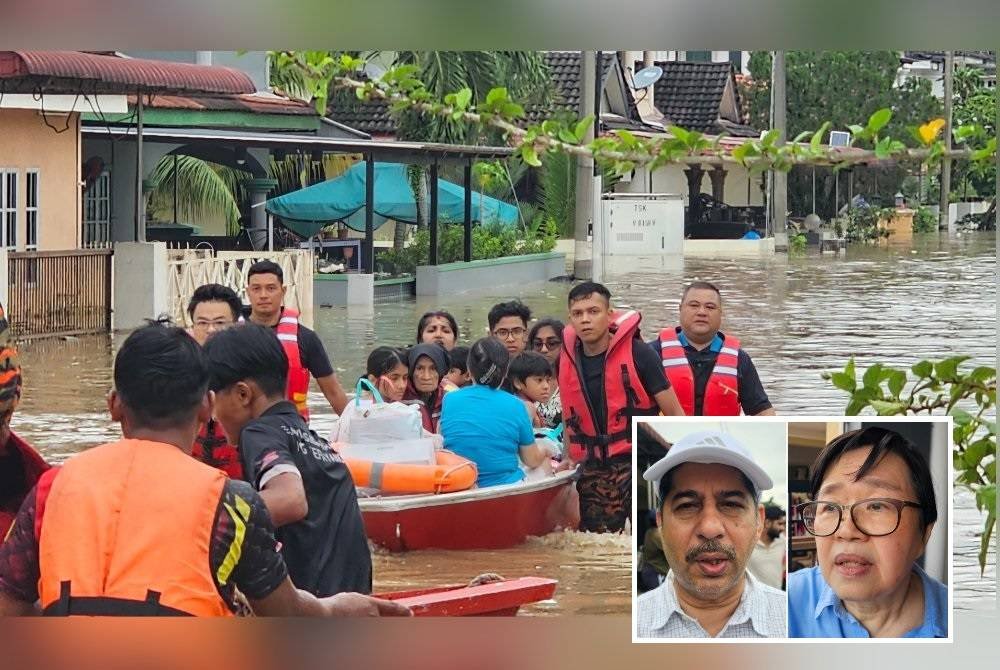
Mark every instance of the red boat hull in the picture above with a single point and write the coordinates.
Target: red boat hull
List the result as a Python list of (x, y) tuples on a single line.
[(502, 598), (493, 518)]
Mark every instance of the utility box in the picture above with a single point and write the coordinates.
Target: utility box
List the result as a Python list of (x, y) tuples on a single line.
[(643, 224)]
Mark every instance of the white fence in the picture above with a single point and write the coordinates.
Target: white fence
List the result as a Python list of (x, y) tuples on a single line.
[(190, 268)]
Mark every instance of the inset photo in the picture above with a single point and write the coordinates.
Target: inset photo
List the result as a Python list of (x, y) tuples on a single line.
[(710, 500), (870, 548)]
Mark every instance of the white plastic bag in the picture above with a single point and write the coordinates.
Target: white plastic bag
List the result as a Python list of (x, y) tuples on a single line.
[(383, 432)]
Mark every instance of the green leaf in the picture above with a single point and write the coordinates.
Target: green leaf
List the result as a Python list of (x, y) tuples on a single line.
[(496, 95), (679, 133), (817, 138), (463, 98), (801, 136), (566, 136), (985, 544), (897, 380), (948, 368), (857, 131), (982, 374), (877, 121), (978, 450), (770, 137), (843, 381), (923, 369), (530, 156), (885, 408), (872, 376), (582, 127), (986, 152), (849, 369)]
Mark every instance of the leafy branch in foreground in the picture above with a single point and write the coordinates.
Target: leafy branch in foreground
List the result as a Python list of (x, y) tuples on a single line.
[(621, 151), (940, 387)]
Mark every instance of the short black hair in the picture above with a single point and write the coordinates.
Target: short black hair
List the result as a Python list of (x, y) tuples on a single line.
[(773, 512), (247, 352), (266, 268), (488, 361), (882, 442), (704, 285), (548, 322), (458, 358), (528, 364), (511, 308), (161, 376), (587, 289), (216, 293), (667, 483), (430, 315)]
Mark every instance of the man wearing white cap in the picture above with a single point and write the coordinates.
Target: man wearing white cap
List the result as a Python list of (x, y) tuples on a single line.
[(710, 516)]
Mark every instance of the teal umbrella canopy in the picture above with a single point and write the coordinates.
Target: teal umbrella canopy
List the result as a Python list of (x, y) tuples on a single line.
[(309, 210)]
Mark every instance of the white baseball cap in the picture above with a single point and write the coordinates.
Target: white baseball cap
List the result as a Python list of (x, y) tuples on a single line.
[(710, 446)]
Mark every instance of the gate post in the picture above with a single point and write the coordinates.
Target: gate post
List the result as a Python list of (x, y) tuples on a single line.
[(140, 284), (4, 280)]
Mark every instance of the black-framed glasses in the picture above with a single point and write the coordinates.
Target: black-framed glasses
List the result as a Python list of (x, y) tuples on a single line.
[(874, 517), (549, 343), (505, 333)]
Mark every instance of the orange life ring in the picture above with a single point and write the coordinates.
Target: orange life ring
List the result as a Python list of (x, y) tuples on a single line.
[(450, 473)]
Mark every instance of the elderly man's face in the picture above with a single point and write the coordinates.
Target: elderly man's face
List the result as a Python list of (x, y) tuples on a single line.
[(862, 568), (709, 523), (701, 313)]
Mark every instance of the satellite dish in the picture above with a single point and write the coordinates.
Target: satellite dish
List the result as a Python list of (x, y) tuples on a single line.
[(646, 77)]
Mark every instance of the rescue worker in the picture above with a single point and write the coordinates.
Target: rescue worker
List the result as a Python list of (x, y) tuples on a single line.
[(607, 375), (708, 370), (139, 528), (305, 352)]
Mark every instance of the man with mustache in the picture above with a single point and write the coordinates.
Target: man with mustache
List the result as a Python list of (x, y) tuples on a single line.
[(710, 516)]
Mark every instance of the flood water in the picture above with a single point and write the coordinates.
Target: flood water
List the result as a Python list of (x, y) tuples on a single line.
[(796, 316)]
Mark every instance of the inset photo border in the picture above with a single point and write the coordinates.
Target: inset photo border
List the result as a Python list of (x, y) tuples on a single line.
[(739, 556)]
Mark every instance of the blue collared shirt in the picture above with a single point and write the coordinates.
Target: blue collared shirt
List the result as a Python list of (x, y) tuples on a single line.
[(814, 610)]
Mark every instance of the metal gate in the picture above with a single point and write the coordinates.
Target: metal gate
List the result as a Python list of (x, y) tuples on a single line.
[(59, 292)]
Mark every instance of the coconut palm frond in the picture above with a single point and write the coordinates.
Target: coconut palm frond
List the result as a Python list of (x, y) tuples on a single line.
[(202, 191), (558, 191)]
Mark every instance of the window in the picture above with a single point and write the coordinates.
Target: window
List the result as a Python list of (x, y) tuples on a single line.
[(97, 212), (31, 210), (8, 208), (699, 56), (736, 58)]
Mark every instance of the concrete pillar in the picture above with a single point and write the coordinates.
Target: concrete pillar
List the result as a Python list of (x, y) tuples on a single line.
[(141, 282), (4, 281), (258, 189), (360, 289), (718, 177), (694, 176)]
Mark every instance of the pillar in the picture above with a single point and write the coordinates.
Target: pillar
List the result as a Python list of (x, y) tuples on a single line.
[(257, 226)]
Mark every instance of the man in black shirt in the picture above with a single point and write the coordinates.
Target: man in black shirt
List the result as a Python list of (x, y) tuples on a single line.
[(139, 527), (305, 484), (607, 375), (711, 374), (266, 290)]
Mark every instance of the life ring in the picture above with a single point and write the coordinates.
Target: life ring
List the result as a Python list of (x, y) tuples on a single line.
[(450, 473)]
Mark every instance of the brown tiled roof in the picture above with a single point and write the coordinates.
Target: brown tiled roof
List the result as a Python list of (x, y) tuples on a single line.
[(689, 95), (102, 73), (373, 116), (258, 103)]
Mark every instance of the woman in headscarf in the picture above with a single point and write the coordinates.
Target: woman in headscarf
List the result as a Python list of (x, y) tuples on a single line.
[(428, 365)]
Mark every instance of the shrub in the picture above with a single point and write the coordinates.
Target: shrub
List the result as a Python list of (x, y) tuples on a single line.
[(924, 221)]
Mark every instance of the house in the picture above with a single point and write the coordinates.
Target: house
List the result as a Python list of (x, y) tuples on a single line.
[(929, 65)]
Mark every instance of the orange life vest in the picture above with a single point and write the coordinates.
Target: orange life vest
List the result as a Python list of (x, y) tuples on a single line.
[(624, 391), (722, 396), (297, 389), (125, 530)]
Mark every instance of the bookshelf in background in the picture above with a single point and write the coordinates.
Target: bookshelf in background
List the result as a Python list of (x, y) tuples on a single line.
[(802, 549)]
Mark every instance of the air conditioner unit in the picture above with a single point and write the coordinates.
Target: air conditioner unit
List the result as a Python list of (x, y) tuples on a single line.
[(838, 138)]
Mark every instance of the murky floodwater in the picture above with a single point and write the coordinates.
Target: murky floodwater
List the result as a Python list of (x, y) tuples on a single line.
[(796, 316)]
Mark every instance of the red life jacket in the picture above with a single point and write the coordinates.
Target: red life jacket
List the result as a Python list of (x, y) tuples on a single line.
[(297, 389), (211, 447), (34, 465), (722, 396), (625, 394)]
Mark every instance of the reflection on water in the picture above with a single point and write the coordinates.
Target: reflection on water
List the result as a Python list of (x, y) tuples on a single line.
[(796, 316)]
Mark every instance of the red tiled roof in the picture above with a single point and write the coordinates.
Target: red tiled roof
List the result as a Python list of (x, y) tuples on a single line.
[(258, 103), (62, 70)]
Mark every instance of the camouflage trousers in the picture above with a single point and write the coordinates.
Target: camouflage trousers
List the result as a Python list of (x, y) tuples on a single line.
[(605, 494)]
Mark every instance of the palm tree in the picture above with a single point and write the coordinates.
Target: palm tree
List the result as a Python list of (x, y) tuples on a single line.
[(203, 191)]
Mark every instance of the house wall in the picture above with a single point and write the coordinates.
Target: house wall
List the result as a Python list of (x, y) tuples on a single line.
[(671, 179), (27, 143)]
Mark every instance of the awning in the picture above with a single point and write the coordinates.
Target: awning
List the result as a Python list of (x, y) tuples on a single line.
[(311, 209)]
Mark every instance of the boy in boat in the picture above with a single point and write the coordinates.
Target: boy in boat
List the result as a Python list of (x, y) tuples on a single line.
[(139, 528), (306, 485)]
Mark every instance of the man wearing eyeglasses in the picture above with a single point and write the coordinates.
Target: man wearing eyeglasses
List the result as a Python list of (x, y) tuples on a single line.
[(508, 323), (213, 308), (872, 509), (709, 515)]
